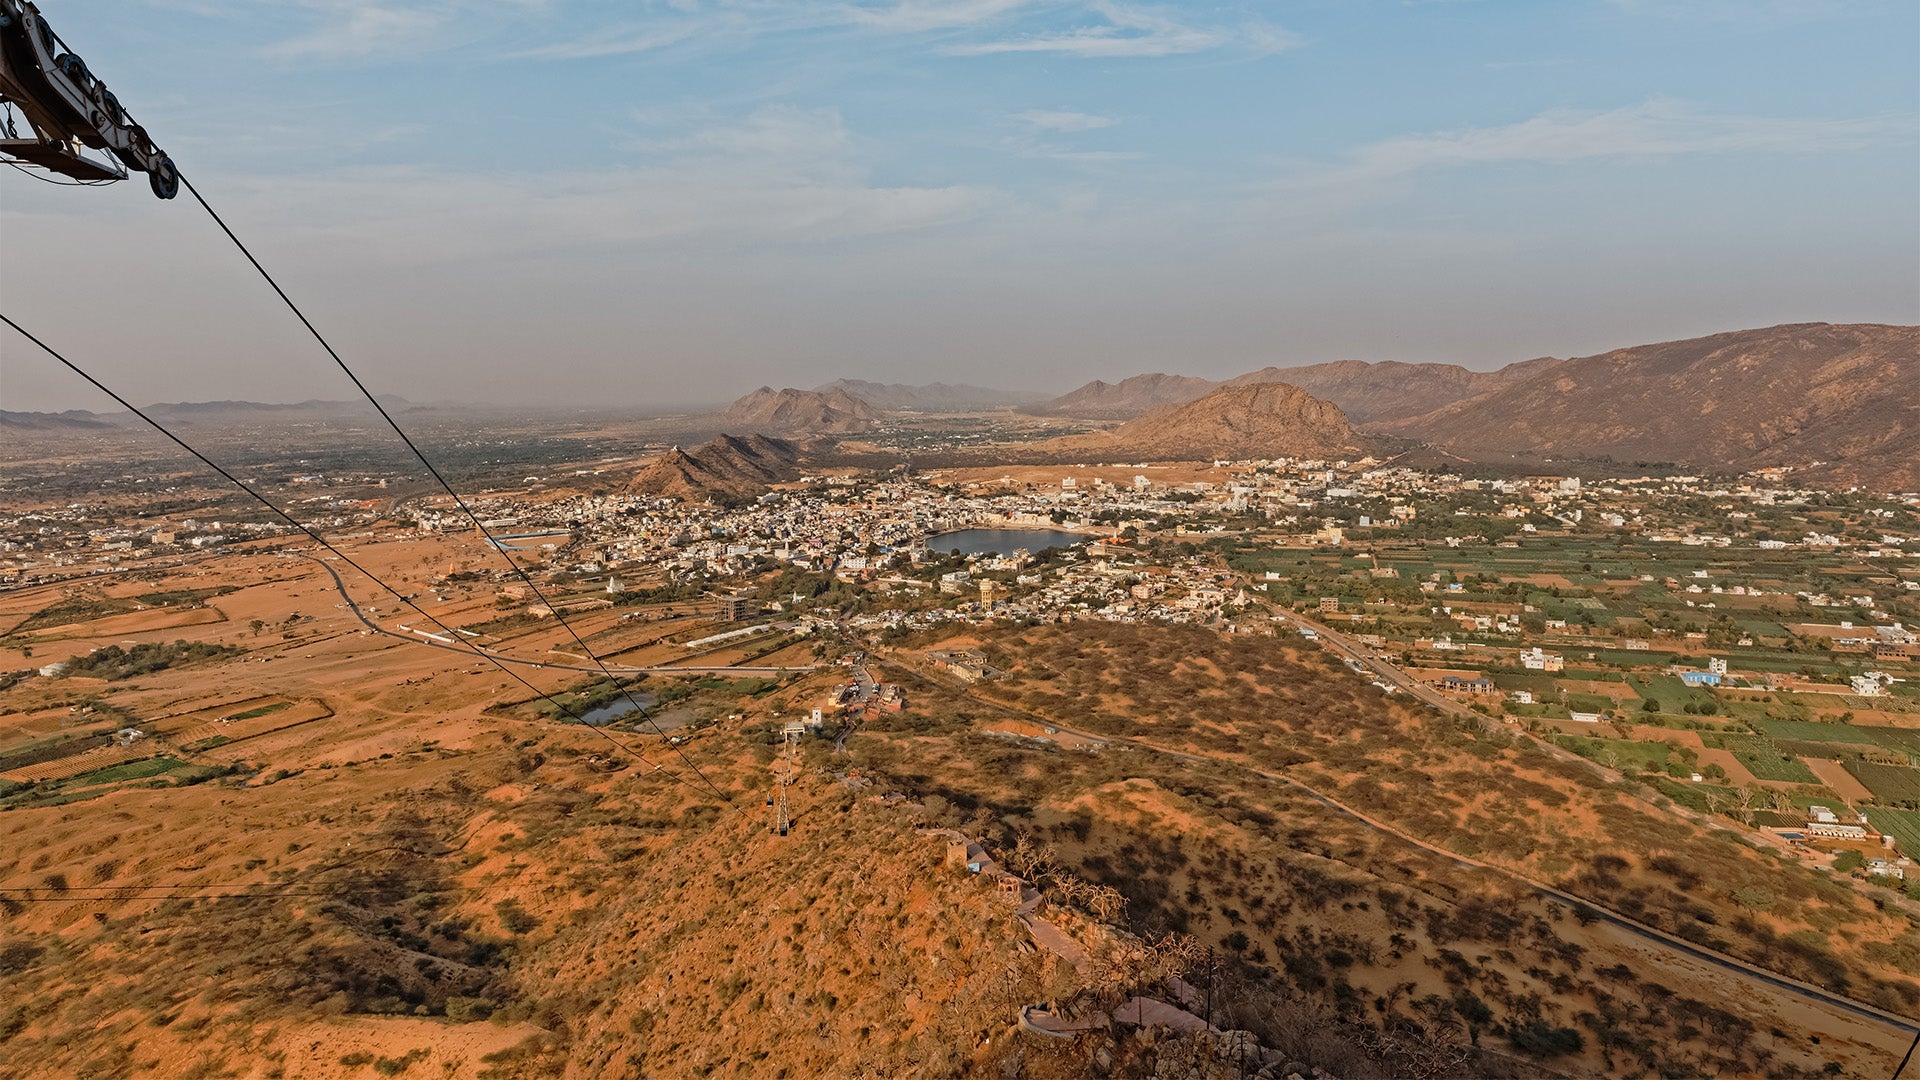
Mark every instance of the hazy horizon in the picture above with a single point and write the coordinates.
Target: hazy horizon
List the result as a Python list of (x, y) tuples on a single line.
[(666, 207)]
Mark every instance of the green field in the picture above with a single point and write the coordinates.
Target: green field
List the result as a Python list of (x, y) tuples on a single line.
[(1626, 752), (1771, 765), (1902, 825), (263, 710), (1812, 731), (1905, 740), (132, 770), (1668, 690), (1763, 758), (1890, 784)]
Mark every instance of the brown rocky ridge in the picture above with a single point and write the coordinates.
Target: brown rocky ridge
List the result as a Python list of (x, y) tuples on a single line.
[(1260, 420), (1840, 404), (1125, 399), (797, 412), (728, 469), (1387, 390)]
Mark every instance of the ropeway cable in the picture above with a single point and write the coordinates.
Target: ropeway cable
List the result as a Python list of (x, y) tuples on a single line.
[(348, 559), (525, 578)]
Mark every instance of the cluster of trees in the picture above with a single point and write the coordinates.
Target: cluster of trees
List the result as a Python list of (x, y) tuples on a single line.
[(113, 662)]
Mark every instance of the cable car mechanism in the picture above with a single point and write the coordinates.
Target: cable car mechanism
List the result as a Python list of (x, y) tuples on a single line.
[(69, 109)]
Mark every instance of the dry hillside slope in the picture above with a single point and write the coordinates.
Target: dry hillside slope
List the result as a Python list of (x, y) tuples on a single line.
[(1388, 390), (728, 469), (1839, 402)]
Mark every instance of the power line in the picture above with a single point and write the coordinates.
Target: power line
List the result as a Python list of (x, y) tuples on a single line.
[(343, 556), (525, 578)]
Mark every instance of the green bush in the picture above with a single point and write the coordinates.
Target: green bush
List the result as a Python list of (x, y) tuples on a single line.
[(514, 918)]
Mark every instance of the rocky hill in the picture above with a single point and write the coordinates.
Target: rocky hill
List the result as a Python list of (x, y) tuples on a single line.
[(798, 412), (731, 468), (1838, 403), (1260, 420), (932, 397), (1388, 390), (1125, 399)]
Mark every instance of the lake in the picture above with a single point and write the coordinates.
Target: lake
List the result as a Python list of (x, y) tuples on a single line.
[(617, 708), (1004, 541)]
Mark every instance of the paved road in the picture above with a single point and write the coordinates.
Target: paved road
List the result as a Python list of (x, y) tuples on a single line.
[(474, 650), (1720, 960)]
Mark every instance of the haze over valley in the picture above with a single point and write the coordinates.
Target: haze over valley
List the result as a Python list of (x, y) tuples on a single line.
[(925, 539)]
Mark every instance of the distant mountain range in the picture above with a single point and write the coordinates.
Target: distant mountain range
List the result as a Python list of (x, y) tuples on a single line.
[(798, 412), (1839, 403), (729, 469), (72, 420), (1372, 393), (186, 412), (932, 397), (1255, 420), (1366, 392), (1125, 399)]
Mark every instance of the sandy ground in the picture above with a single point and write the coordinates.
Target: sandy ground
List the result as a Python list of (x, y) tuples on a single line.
[(1738, 775), (309, 649), (1843, 783), (442, 1049)]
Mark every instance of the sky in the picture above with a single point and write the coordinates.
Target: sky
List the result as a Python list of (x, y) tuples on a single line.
[(663, 204)]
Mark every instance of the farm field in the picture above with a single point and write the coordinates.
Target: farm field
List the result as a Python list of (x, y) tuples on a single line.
[(1890, 784), (1902, 825)]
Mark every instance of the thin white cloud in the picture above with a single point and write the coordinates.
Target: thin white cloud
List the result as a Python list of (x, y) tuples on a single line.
[(1106, 28), (1064, 121), (623, 41), (362, 29), (1131, 31), (780, 176), (1746, 12), (1657, 128), (925, 15)]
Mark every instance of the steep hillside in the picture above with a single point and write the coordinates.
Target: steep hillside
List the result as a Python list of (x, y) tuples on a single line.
[(1389, 390), (933, 397), (1260, 420), (795, 412), (1125, 399), (728, 469), (1841, 403)]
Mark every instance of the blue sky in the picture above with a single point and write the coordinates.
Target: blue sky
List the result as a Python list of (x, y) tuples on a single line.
[(667, 203)]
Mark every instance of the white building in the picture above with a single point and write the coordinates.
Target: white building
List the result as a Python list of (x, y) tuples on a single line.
[(1535, 660)]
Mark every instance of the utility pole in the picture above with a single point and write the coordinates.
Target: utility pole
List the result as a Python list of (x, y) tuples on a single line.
[(790, 737)]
